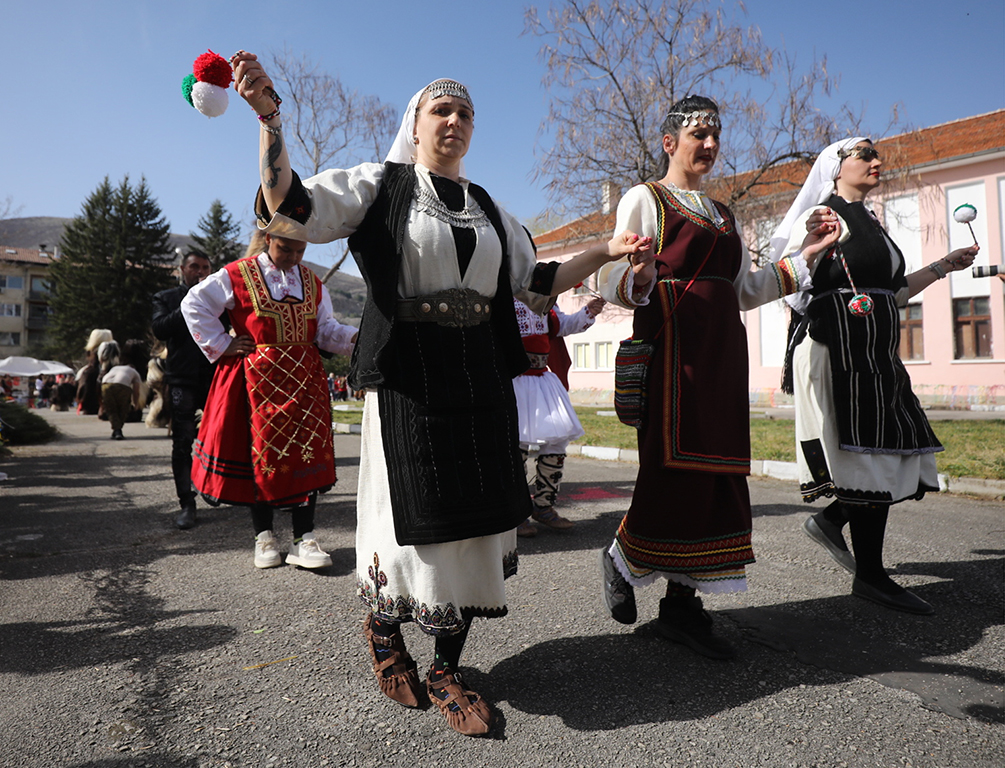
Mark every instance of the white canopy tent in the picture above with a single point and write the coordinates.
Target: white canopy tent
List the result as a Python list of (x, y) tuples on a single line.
[(29, 366)]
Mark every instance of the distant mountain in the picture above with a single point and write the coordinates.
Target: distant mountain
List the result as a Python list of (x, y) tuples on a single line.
[(47, 231), (348, 292)]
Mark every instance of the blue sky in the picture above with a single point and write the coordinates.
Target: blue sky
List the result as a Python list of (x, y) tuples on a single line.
[(96, 87)]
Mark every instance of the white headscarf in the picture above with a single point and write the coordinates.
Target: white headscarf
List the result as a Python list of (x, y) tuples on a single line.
[(819, 185), (403, 147)]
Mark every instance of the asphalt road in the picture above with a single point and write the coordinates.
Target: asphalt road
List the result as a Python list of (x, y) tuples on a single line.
[(125, 642)]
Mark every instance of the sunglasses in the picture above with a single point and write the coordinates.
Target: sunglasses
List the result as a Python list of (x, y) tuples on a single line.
[(862, 153)]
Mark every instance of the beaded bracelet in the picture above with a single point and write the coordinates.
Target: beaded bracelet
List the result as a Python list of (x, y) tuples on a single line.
[(274, 130), (937, 269), (275, 98)]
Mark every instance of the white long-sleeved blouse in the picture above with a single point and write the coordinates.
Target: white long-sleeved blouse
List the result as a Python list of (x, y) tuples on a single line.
[(637, 213), (205, 302), (340, 199)]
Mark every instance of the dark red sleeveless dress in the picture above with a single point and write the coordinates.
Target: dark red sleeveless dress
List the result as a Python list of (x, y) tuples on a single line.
[(690, 512)]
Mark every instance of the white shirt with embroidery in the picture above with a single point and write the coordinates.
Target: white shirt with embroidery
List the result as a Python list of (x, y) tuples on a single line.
[(533, 324), (207, 301)]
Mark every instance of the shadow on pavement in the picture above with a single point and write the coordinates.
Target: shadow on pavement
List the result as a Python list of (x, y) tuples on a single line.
[(641, 678)]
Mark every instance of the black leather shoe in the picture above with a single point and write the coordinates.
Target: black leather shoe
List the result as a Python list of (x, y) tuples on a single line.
[(619, 597), (905, 601), (828, 536), (684, 621), (186, 518)]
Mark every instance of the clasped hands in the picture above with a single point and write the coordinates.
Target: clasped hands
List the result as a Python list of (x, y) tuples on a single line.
[(639, 251)]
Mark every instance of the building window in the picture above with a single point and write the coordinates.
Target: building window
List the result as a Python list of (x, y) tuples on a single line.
[(972, 327), (10, 310), (912, 341), (581, 355), (605, 355), (10, 339), (39, 287), (12, 282)]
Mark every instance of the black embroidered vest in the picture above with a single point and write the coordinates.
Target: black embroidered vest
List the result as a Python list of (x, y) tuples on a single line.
[(377, 246)]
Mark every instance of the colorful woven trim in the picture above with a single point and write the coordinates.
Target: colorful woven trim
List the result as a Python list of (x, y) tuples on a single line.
[(786, 276), (623, 294), (710, 559), (663, 194)]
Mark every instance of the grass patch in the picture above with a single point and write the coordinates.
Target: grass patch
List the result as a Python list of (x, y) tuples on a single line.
[(22, 427), (973, 448), (349, 417)]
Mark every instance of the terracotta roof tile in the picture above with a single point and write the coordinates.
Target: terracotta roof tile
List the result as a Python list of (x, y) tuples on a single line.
[(24, 255)]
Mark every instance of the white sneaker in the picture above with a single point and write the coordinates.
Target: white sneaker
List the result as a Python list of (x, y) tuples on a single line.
[(266, 553), (307, 554)]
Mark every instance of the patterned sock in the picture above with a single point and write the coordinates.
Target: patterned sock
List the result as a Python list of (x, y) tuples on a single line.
[(447, 658), (384, 628)]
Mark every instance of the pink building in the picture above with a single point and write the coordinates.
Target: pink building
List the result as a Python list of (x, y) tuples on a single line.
[(952, 334)]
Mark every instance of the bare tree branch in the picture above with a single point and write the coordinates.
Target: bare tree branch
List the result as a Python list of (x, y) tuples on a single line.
[(613, 67), (327, 124)]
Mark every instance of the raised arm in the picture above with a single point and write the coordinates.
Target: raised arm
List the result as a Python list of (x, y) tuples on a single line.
[(578, 268), (959, 259), (255, 87)]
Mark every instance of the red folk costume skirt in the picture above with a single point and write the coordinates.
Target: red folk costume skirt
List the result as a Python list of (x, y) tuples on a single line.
[(690, 517), (266, 433)]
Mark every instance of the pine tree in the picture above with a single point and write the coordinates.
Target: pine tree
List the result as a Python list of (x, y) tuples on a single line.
[(114, 257), (217, 242)]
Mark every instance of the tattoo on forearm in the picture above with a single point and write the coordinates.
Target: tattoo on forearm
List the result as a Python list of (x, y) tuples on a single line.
[(270, 171)]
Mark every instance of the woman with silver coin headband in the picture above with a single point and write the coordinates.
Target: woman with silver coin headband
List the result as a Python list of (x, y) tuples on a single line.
[(689, 521), (861, 435), (441, 481)]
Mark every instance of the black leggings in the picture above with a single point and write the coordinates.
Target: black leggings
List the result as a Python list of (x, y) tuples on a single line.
[(303, 517)]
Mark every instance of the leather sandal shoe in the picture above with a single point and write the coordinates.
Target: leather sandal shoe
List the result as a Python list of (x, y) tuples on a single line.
[(841, 555), (526, 529), (551, 519), (619, 597), (904, 601), (466, 711), (402, 684)]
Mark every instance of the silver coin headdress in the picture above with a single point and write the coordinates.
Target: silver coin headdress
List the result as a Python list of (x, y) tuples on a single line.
[(694, 118), (439, 88)]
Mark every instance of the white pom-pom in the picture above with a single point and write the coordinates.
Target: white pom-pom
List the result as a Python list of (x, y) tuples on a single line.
[(210, 99), (965, 213)]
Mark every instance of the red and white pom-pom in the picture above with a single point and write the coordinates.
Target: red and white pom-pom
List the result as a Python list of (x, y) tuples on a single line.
[(210, 99)]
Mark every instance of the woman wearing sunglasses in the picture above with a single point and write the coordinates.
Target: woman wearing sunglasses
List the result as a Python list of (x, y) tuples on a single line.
[(862, 437)]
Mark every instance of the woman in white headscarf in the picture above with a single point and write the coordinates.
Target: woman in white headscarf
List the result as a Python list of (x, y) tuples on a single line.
[(861, 434), (441, 486)]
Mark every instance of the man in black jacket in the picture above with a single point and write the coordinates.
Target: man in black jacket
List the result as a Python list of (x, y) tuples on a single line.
[(188, 377)]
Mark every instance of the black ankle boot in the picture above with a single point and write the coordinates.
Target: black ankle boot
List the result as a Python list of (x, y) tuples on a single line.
[(684, 620)]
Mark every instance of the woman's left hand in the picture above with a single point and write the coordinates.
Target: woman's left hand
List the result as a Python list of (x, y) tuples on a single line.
[(822, 233), (639, 251), (961, 258)]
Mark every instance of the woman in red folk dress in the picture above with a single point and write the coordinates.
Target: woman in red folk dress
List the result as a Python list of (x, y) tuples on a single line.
[(265, 440), (689, 521)]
